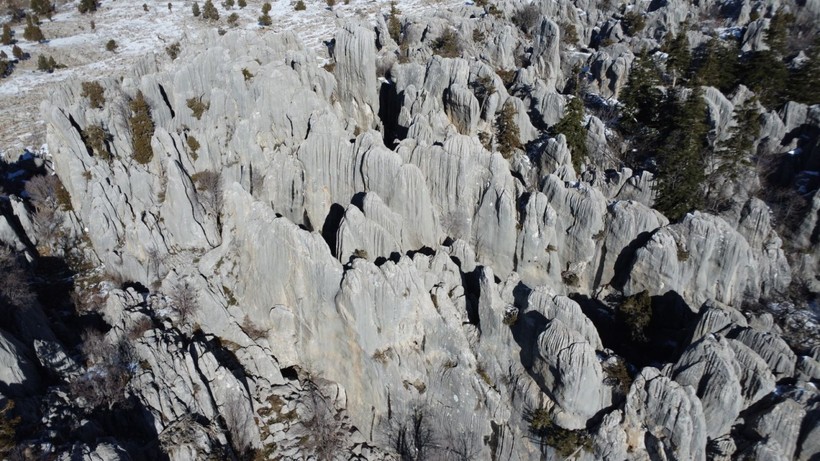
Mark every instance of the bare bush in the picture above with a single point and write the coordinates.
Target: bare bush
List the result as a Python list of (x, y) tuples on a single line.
[(184, 302), (209, 185), (104, 382), (326, 436), (413, 437), (15, 291), (526, 18), (238, 417)]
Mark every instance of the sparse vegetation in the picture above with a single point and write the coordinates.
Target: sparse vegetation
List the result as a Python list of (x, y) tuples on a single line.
[(635, 316), (209, 188), (8, 428), (299, 6), (142, 129), (184, 302), (32, 31), (265, 19), (193, 145), (633, 23), (111, 45), (526, 18), (105, 380), (564, 441), (247, 74), (242, 3), (17, 52), (96, 136), (197, 106), (42, 8), (7, 35), (209, 11), (95, 94), (233, 18), (195, 10), (46, 64)]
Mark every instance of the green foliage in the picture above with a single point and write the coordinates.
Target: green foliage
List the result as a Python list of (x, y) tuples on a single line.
[(680, 175), (679, 58), (42, 7), (508, 136), (193, 144), (716, 64), (299, 6), (804, 81), (142, 129), (173, 50), (618, 376), (17, 52), (564, 441), (265, 8), (4, 67), (197, 106), (571, 126), (394, 23), (265, 20), (633, 23), (95, 94), (330, 3), (232, 19), (765, 74), (643, 112), (195, 10), (242, 3), (778, 31), (209, 11), (635, 315), (7, 36), (111, 45), (87, 6), (247, 74), (447, 45), (734, 152), (228, 4), (46, 64), (32, 31), (482, 88)]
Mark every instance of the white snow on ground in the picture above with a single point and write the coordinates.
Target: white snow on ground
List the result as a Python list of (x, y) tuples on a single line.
[(72, 42)]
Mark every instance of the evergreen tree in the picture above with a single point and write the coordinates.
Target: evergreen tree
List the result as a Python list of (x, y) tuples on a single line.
[(766, 74), (242, 3), (32, 31), (17, 52), (642, 113), (804, 81), (393, 22), (209, 11), (42, 7), (778, 32), (195, 10), (6, 39), (87, 6), (679, 58), (228, 4), (733, 153), (571, 127), (680, 174), (142, 129), (508, 134), (717, 65)]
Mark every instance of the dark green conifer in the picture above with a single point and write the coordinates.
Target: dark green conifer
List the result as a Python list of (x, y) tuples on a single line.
[(571, 127)]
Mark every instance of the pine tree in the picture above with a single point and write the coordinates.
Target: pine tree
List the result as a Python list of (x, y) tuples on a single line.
[(571, 127), (87, 6), (17, 52), (142, 129), (733, 153), (804, 81), (42, 7), (778, 31), (393, 22), (717, 65), (766, 74), (508, 134), (679, 57), (242, 3), (643, 115), (680, 175), (7, 39), (195, 9), (209, 11), (32, 31)]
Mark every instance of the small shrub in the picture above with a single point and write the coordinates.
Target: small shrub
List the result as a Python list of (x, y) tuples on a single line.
[(111, 45), (197, 107), (300, 6), (8, 429), (170, 6), (330, 67), (564, 441), (92, 25), (95, 94), (266, 8), (193, 144), (184, 302), (145, 7), (247, 74), (265, 20), (253, 330), (510, 315), (633, 23), (142, 129), (96, 137), (195, 10), (87, 6), (209, 188), (173, 50), (16, 290), (32, 31), (394, 23), (209, 11), (229, 296), (526, 18), (569, 34), (635, 316), (330, 3), (228, 4), (507, 76), (46, 64), (359, 253), (17, 52), (233, 19), (478, 35), (447, 45), (242, 3), (618, 376), (7, 35), (570, 279)]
